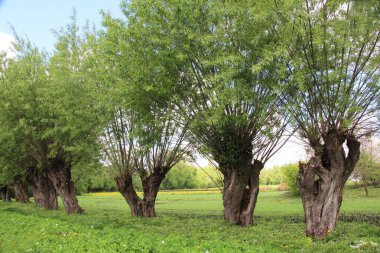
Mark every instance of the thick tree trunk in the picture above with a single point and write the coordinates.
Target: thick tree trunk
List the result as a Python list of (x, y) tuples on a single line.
[(5, 194), (60, 175), (241, 188), (43, 190), (151, 185), (125, 187), (321, 197), (141, 207), (21, 192), (321, 182)]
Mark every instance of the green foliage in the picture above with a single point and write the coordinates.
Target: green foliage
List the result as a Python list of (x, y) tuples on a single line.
[(181, 176), (289, 176), (187, 176), (46, 106), (210, 177), (201, 53), (140, 131), (97, 178), (333, 66), (367, 169), (271, 176), (183, 226), (93, 178)]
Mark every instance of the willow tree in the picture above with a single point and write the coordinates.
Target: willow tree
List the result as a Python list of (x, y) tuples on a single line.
[(21, 121), (48, 113), (333, 89), (149, 155), (141, 137), (207, 49), (71, 123), (12, 168)]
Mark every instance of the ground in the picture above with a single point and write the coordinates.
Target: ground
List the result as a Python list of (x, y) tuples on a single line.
[(189, 221)]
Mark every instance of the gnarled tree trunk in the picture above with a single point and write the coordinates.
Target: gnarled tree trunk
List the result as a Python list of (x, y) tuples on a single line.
[(43, 190), (141, 207), (125, 187), (59, 174), (21, 192), (5, 194), (241, 188), (321, 182), (151, 185), (144, 207)]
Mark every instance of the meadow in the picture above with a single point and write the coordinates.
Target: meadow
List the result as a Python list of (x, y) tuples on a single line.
[(188, 221)]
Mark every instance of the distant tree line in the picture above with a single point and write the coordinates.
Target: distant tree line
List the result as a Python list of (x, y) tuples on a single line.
[(181, 176), (230, 80)]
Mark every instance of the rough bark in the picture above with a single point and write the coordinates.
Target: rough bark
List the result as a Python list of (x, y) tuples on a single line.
[(59, 173), (151, 185), (43, 190), (241, 188), (21, 192), (321, 182), (125, 187), (144, 207), (5, 196)]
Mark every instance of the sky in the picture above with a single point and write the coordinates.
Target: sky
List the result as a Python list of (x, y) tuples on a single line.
[(38, 18)]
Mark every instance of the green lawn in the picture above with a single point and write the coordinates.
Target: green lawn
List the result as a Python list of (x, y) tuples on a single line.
[(186, 223)]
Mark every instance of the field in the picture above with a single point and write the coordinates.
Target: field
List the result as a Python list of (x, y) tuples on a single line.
[(189, 221)]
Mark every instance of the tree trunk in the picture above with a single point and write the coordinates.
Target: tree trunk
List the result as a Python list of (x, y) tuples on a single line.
[(125, 187), (241, 188), (321, 182), (141, 207), (151, 185), (43, 190), (21, 192), (5, 194), (59, 174)]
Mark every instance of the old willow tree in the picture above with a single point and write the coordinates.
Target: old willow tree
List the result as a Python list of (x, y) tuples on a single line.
[(207, 49), (71, 133), (22, 79), (12, 168), (141, 138), (48, 116), (333, 88)]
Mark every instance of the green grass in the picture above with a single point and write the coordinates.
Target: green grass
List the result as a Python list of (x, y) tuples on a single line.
[(186, 223)]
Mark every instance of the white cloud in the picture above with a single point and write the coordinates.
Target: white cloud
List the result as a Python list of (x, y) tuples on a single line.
[(6, 41)]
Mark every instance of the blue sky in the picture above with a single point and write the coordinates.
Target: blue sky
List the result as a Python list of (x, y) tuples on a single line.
[(36, 19)]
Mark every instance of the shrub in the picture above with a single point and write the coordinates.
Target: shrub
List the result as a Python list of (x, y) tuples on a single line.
[(289, 175)]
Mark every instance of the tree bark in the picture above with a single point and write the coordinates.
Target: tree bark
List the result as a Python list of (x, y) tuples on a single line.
[(59, 173), (125, 187), (241, 188), (21, 192), (5, 194), (321, 182), (43, 190), (151, 184)]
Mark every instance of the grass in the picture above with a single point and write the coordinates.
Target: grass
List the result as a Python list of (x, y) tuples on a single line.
[(189, 221)]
